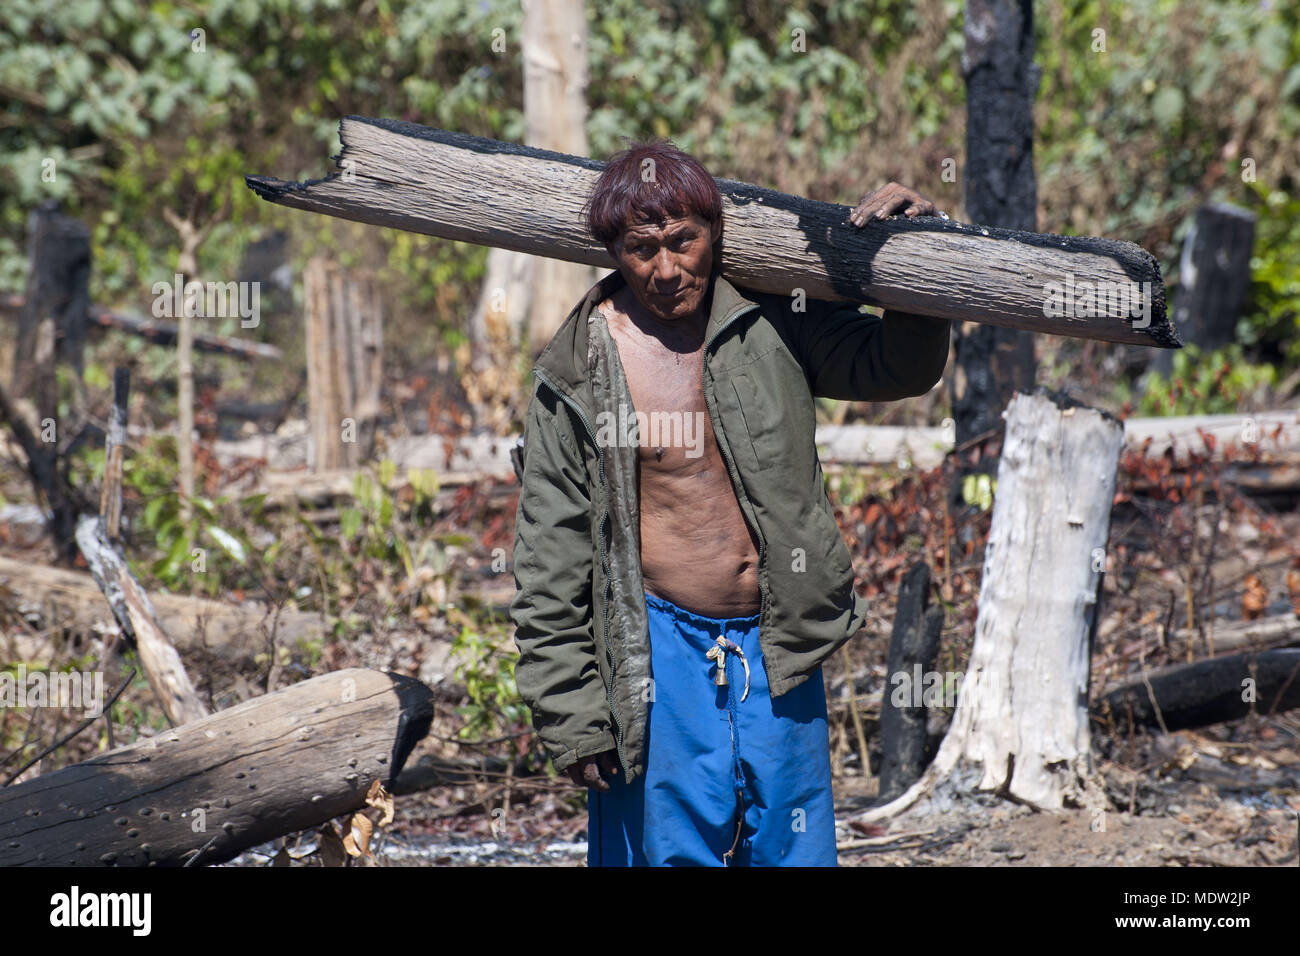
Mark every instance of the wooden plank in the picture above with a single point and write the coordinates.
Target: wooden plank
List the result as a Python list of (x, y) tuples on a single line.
[(467, 188)]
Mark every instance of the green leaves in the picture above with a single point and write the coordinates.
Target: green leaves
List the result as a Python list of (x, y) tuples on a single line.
[(1220, 382), (1167, 106), (978, 490)]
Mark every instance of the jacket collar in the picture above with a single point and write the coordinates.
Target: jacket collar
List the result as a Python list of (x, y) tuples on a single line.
[(564, 361)]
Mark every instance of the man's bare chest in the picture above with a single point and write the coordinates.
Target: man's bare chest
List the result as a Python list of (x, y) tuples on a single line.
[(664, 373), (665, 379)]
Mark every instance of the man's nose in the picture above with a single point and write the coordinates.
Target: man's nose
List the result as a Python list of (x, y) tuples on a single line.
[(665, 269)]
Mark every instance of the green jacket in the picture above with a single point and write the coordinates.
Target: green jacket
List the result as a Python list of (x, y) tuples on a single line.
[(579, 608)]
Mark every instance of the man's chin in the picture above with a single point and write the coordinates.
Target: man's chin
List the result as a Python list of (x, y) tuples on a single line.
[(668, 309)]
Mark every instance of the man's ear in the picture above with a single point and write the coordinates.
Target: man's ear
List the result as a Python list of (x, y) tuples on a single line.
[(717, 232)]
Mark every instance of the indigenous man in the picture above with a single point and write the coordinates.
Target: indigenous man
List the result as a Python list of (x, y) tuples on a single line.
[(680, 574)]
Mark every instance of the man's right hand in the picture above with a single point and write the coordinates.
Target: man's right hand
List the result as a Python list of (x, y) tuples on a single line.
[(588, 770)]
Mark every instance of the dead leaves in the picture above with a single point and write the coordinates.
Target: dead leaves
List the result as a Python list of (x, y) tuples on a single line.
[(361, 828), (358, 842), (1293, 585), (1255, 601)]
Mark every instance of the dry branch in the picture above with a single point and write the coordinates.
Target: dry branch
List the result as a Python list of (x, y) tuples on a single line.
[(134, 612)]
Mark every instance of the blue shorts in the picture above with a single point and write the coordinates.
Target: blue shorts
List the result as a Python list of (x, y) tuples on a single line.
[(726, 782)]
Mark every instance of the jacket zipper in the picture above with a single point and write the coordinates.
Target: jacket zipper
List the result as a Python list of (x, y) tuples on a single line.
[(735, 476), (609, 656), (600, 453)]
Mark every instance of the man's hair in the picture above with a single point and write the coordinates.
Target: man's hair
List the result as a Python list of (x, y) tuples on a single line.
[(650, 181)]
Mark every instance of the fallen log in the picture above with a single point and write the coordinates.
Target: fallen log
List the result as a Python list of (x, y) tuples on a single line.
[(1173, 753), (1207, 692), (1273, 631), (430, 771), (200, 628), (204, 792), (159, 333), (454, 186), (1273, 433)]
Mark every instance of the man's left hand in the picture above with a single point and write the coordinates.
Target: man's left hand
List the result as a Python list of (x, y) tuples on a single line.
[(888, 200)]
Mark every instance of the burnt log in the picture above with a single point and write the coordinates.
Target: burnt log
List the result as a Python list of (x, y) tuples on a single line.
[(467, 188), (913, 648), (1207, 692)]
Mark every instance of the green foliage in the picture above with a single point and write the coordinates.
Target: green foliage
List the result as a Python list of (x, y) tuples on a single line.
[(128, 711), (823, 99), (487, 669), (1271, 319), (207, 551), (1220, 382), (977, 490)]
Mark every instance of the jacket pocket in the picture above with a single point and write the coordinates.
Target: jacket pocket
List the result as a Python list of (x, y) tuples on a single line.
[(761, 443)]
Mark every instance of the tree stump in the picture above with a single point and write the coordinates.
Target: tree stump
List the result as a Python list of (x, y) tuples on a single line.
[(1021, 724), (913, 648), (1213, 276)]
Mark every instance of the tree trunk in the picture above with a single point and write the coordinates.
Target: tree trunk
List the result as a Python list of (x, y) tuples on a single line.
[(52, 325), (501, 194), (270, 766), (913, 648), (555, 115), (991, 364), (1021, 724), (344, 364), (1213, 276), (203, 630), (51, 336), (525, 297), (187, 265)]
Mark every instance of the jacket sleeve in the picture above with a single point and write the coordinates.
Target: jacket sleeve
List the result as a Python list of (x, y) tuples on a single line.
[(849, 355), (557, 674)]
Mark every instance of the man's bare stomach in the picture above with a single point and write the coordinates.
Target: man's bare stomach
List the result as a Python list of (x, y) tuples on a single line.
[(697, 550)]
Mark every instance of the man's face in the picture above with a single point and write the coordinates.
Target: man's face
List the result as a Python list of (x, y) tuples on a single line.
[(667, 264)]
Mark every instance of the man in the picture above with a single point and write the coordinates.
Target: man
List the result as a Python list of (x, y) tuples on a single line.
[(680, 573)]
